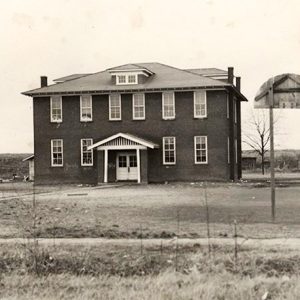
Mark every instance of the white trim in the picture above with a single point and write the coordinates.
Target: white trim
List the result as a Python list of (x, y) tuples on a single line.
[(61, 112), (62, 153), (126, 136), (120, 105), (164, 159), (91, 107), (105, 165), (138, 71), (205, 103), (90, 150), (163, 109), (138, 165), (195, 150), (133, 106), (125, 147)]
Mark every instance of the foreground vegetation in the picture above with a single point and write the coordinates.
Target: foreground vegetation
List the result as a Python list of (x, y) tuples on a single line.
[(126, 272)]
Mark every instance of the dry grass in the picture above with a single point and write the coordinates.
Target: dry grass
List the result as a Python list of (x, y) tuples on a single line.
[(98, 273), (151, 210)]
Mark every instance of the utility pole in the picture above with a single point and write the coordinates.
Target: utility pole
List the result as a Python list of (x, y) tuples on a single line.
[(271, 102)]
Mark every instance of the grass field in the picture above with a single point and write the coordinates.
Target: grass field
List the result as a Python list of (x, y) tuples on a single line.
[(151, 211), (108, 272)]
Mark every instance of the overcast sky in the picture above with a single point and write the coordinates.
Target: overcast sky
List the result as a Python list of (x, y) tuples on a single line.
[(61, 37)]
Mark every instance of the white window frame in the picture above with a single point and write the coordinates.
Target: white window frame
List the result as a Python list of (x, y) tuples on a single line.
[(134, 106), (126, 76), (120, 105), (82, 119), (62, 153), (88, 151), (54, 120), (163, 106), (164, 149), (200, 116), (195, 150)]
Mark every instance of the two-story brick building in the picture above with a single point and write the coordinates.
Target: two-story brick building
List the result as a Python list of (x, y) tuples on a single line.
[(145, 122)]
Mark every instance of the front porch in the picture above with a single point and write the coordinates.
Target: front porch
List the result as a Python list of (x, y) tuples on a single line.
[(123, 157)]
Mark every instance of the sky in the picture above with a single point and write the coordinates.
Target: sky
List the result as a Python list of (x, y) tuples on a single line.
[(259, 38)]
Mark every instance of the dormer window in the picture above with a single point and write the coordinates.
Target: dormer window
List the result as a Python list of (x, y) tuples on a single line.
[(126, 79)]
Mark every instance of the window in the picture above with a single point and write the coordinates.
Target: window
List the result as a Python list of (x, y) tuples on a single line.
[(86, 113), (138, 106), (200, 147), (121, 79), (86, 155), (132, 78), (57, 153), (126, 79), (56, 109), (115, 107), (169, 150), (200, 110), (168, 105)]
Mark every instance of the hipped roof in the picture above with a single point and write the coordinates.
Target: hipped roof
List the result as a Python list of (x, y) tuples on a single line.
[(164, 77)]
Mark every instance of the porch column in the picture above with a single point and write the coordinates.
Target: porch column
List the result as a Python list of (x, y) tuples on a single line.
[(138, 165), (105, 165)]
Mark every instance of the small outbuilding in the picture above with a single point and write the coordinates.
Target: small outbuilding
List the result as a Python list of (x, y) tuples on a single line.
[(30, 160)]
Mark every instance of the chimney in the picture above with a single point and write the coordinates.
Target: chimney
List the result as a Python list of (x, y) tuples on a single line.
[(238, 83), (230, 75), (44, 81)]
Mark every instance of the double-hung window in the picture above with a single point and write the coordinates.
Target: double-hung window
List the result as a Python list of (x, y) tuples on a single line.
[(57, 153), (115, 107), (126, 79), (56, 109), (86, 110), (86, 155), (168, 105), (200, 148), (138, 106), (200, 107), (169, 150)]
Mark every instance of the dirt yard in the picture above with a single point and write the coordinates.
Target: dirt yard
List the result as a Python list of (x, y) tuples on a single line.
[(150, 211)]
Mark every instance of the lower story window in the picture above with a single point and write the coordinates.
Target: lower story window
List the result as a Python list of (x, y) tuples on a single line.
[(86, 155), (57, 153), (169, 150), (200, 146)]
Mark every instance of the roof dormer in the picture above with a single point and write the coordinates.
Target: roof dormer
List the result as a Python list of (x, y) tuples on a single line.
[(129, 74)]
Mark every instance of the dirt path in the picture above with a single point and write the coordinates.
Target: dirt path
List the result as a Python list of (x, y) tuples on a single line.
[(289, 243)]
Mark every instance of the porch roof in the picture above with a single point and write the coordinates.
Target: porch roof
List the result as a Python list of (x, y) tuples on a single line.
[(124, 139)]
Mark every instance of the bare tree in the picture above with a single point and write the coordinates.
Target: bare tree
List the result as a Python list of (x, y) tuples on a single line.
[(257, 135)]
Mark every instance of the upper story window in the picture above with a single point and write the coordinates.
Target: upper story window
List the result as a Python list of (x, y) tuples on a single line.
[(57, 153), (86, 110), (200, 148), (56, 109), (169, 150), (138, 106), (126, 78), (86, 155), (168, 105), (235, 111), (200, 107), (114, 107)]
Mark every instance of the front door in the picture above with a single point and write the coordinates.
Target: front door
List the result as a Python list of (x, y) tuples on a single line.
[(127, 166)]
